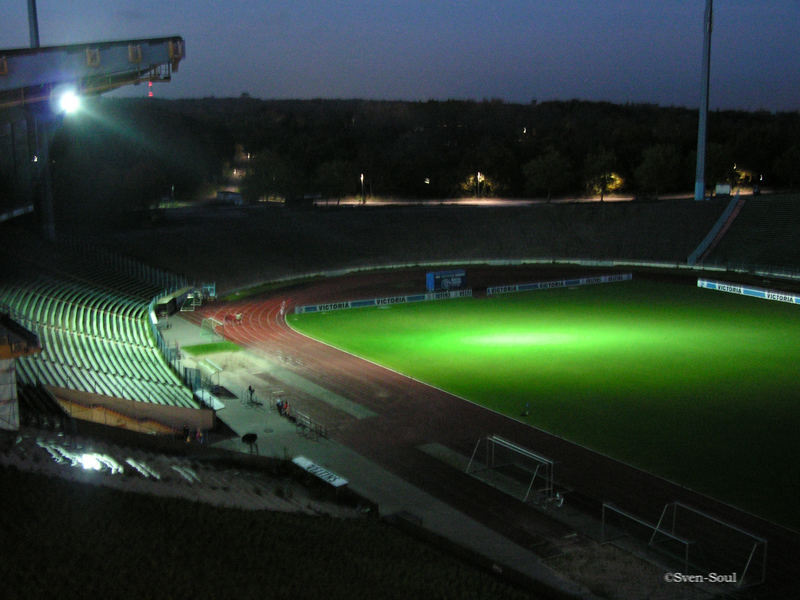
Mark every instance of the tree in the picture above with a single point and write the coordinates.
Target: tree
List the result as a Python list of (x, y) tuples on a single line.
[(599, 170), (785, 167), (549, 172), (269, 175), (479, 185), (335, 178), (719, 164), (660, 169)]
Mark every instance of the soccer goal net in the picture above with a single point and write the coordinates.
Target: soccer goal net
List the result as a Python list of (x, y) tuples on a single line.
[(701, 542), (514, 470), (209, 326)]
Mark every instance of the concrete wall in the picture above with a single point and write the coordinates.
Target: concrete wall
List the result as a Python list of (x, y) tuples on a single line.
[(140, 416)]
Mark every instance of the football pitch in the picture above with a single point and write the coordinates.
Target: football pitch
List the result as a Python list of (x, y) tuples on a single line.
[(694, 385)]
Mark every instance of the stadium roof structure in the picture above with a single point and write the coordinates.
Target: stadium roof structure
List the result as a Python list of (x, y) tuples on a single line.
[(35, 80), (32, 75)]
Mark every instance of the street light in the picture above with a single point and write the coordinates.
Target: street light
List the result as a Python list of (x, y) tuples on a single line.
[(363, 196)]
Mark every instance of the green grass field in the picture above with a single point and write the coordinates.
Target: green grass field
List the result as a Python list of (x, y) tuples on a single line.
[(212, 348), (695, 385)]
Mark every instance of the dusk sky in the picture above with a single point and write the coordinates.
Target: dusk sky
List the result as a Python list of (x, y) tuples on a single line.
[(615, 50)]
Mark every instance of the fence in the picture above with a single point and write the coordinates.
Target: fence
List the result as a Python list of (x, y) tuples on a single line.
[(561, 283), (777, 271), (192, 378)]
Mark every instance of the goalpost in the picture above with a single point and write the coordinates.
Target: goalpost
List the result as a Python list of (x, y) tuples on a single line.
[(209, 326), (703, 543), (514, 470)]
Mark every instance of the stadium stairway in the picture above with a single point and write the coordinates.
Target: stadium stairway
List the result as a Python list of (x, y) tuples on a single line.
[(38, 408)]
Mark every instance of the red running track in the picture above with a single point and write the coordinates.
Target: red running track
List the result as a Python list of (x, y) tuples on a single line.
[(410, 413)]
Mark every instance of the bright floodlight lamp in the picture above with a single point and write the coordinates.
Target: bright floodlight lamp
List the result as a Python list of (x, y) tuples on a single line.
[(69, 101)]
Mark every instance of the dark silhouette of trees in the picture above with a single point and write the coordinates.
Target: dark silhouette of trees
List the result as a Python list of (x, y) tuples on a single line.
[(660, 170), (720, 163), (120, 156), (336, 178), (270, 175), (786, 166), (599, 171), (550, 173), (137, 149)]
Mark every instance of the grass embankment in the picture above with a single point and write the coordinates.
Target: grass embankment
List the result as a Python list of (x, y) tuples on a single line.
[(694, 385), (203, 349), (266, 287), (81, 541)]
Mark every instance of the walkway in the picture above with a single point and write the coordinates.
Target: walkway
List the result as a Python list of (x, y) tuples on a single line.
[(277, 436)]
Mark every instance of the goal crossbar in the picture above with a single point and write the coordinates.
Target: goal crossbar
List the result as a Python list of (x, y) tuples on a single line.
[(753, 542), (683, 542), (538, 469), (707, 542), (210, 324)]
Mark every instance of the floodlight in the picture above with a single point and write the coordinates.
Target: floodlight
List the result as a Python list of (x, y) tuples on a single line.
[(69, 101)]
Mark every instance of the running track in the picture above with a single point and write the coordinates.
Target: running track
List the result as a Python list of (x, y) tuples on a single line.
[(410, 413)]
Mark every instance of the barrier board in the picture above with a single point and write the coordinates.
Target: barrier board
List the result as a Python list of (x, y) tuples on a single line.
[(321, 472), (345, 304), (445, 280), (561, 283), (745, 290)]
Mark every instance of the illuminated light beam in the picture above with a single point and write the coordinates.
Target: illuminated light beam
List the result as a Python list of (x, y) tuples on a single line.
[(69, 102), (518, 339)]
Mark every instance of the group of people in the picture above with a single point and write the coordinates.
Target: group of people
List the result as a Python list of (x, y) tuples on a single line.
[(235, 318), (198, 435), (283, 407)]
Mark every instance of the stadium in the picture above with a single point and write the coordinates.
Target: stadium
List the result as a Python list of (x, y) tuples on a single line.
[(405, 422), (523, 396)]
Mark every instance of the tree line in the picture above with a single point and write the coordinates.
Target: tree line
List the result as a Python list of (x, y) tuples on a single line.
[(135, 150), (119, 158)]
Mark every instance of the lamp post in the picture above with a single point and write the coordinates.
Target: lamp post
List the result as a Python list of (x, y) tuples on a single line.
[(700, 175), (46, 117), (33, 24), (363, 196)]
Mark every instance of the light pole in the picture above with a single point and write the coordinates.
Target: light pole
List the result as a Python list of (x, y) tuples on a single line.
[(363, 196), (702, 135), (33, 24)]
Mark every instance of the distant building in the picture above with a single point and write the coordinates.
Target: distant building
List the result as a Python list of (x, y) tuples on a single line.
[(228, 197), (722, 189)]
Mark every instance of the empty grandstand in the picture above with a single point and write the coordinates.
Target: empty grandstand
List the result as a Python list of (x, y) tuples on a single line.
[(762, 236), (100, 351)]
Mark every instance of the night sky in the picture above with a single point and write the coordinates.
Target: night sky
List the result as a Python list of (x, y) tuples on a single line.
[(615, 50)]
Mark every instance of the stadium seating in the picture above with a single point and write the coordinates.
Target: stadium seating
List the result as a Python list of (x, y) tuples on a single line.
[(93, 325), (763, 235)]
